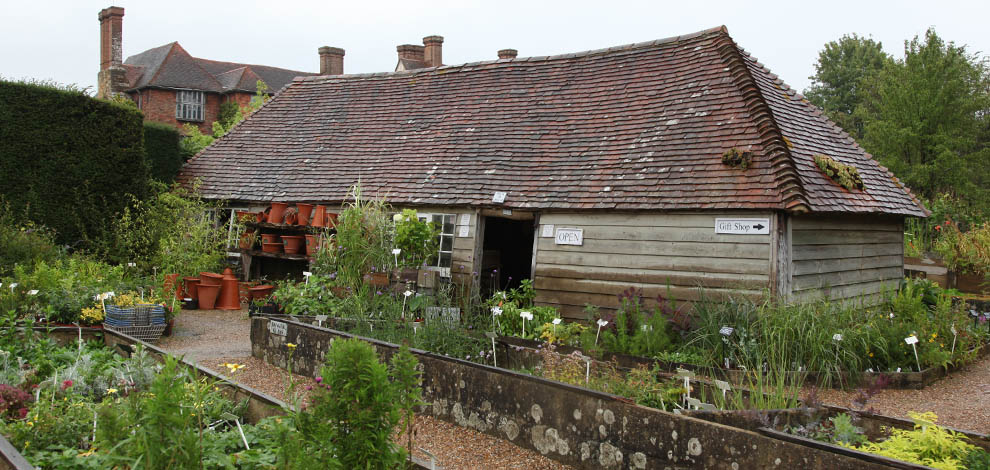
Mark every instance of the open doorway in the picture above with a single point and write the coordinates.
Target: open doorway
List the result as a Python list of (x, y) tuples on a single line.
[(507, 254)]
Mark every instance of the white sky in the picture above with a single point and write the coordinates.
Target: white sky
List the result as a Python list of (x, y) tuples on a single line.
[(59, 39)]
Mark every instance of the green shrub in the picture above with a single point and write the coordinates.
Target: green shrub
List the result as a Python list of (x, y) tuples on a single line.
[(68, 161), (22, 243), (164, 155)]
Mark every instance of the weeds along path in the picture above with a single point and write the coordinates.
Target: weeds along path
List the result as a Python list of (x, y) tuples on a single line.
[(214, 337), (961, 400)]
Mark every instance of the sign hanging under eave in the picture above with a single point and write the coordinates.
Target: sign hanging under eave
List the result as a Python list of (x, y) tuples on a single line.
[(742, 226)]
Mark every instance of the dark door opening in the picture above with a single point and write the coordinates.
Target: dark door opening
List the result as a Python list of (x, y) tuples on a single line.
[(507, 254)]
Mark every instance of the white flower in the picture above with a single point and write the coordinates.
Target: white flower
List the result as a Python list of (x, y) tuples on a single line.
[(407, 293), (602, 322), (396, 251), (526, 315), (891, 315), (837, 337), (556, 321), (496, 311)]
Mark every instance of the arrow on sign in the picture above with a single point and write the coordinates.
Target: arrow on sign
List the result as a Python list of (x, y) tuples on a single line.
[(758, 226)]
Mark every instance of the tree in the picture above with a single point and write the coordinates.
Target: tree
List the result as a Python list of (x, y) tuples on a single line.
[(926, 119), (842, 66)]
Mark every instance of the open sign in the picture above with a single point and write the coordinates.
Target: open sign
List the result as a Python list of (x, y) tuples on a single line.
[(569, 236)]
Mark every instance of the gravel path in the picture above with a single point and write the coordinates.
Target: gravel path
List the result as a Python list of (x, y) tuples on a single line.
[(214, 337), (961, 400)]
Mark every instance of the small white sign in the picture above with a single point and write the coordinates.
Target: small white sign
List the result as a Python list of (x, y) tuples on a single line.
[(723, 385), (277, 328), (463, 231), (911, 339), (499, 197), (547, 231), (506, 211), (569, 236), (726, 330), (837, 337), (465, 219), (743, 226)]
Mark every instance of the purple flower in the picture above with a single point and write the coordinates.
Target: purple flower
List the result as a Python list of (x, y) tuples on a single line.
[(474, 273), (333, 275), (319, 379), (462, 267), (373, 269), (309, 387)]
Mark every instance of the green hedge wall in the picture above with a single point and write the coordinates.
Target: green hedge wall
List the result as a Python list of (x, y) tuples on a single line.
[(161, 145), (69, 161)]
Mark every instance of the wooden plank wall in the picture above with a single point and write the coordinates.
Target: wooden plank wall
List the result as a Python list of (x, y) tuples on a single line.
[(845, 257), (650, 252)]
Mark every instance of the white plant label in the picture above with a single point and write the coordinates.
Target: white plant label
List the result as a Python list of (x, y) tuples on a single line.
[(911, 339), (499, 197), (33, 292), (307, 273), (726, 330), (277, 328), (742, 226), (320, 319), (547, 231), (837, 337), (131, 265), (953, 330)]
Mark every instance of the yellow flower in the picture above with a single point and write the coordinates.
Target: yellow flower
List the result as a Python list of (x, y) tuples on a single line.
[(111, 390), (290, 345), (233, 367), (87, 453), (30, 423), (871, 354)]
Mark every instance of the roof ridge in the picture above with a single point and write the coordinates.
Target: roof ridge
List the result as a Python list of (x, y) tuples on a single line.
[(782, 167), (569, 55), (241, 64)]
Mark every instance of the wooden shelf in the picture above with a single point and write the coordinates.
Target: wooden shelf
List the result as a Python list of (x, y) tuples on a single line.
[(285, 227), (265, 254)]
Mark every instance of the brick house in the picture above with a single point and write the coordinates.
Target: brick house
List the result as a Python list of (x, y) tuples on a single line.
[(668, 166), (172, 87)]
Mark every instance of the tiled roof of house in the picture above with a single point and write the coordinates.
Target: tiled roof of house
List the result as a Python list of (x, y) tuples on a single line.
[(634, 127), (170, 66)]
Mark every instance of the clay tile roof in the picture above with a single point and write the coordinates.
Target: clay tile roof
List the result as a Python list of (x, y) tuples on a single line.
[(634, 127), (170, 66)]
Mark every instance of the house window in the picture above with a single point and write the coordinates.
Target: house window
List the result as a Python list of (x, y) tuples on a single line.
[(445, 222), (189, 105)]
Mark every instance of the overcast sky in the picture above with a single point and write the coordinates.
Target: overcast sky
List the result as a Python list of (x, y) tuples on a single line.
[(59, 39)]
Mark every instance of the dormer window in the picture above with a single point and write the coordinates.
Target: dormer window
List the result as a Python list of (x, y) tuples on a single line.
[(189, 105)]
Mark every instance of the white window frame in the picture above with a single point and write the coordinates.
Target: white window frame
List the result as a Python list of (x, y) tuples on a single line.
[(430, 217), (189, 105)]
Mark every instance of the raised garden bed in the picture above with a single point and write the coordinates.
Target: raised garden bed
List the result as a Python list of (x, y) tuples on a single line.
[(571, 424)]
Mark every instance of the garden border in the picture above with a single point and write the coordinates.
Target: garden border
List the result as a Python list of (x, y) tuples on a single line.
[(545, 415)]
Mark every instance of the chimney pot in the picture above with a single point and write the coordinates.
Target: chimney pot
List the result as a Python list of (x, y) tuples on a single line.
[(410, 52), (111, 37), (433, 51), (331, 60), (507, 54)]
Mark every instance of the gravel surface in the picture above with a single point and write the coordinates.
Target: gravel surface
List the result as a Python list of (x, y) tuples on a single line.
[(961, 400), (215, 337)]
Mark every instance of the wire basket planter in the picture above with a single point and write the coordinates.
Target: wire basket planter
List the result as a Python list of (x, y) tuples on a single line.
[(143, 321)]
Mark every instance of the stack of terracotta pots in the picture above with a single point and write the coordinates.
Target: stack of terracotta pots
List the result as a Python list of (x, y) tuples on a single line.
[(209, 289), (271, 243), (229, 298)]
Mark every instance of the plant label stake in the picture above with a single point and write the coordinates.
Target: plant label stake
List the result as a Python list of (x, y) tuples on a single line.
[(395, 253), (320, 319), (496, 311), (494, 354), (556, 321), (723, 386), (587, 368), (954, 335), (307, 274), (726, 331), (525, 316), (405, 295), (601, 323), (913, 341), (686, 374)]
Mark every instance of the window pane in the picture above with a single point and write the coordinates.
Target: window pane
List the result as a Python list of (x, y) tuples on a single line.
[(444, 260), (448, 224), (446, 243)]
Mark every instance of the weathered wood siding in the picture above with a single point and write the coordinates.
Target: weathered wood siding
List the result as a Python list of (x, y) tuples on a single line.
[(845, 257), (652, 252)]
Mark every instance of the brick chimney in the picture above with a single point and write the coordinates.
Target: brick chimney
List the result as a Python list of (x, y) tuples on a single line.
[(410, 52), (433, 51), (112, 78), (507, 54), (331, 60)]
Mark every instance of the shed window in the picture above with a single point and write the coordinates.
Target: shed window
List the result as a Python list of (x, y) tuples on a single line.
[(446, 224), (189, 105)]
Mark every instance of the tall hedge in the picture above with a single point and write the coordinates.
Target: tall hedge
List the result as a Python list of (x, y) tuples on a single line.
[(69, 161), (161, 145)]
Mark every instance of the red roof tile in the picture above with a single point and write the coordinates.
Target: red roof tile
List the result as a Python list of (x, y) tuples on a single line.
[(641, 126)]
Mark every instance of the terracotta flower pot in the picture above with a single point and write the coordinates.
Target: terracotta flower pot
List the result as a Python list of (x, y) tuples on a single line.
[(260, 292), (319, 214), (208, 296), (330, 219), (262, 216), (192, 285), (229, 298), (293, 243), (290, 217), (379, 279), (244, 216), (312, 244), (271, 247), (277, 212), (304, 212), (270, 238), (209, 279)]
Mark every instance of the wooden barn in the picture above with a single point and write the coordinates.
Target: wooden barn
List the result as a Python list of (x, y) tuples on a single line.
[(667, 166)]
